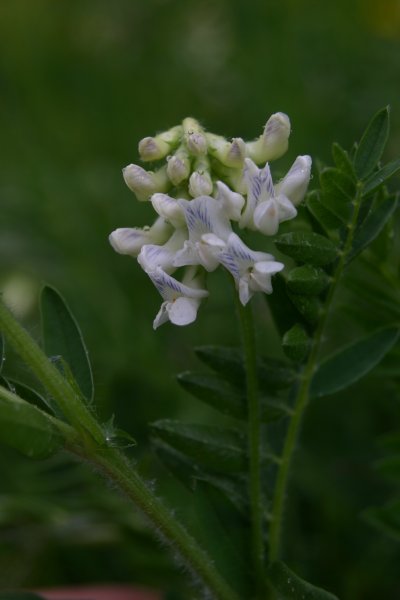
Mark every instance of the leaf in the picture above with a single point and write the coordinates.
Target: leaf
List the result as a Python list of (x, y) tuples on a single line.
[(307, 280), (372, 144), (352, 362), (273, 374), (380, 177), (215, 391), (342, 160), (291, 587), (296, 343), (323, 214), (25, 428), (29, 394), (372, 226), (308, 306), (62, 337), (215, 448), (283, 312), (307, 247), (336, 184)]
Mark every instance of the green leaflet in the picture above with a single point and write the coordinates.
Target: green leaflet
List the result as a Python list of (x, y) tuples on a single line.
[(291, 587), (342, 161), (215, 391), (372, 226), (214, 448), (321, 213), (307, 280), (337, 192), (380, 177), (296, 343), (26, 429), (273, 374), (307, 247), (282, 309), (372, 144), (308, 306), (352, 362), (62, 337)]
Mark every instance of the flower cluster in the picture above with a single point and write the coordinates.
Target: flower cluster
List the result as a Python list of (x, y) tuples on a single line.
[(206, 187)]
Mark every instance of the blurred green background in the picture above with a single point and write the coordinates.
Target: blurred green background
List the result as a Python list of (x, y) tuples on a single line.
[(81, 81)]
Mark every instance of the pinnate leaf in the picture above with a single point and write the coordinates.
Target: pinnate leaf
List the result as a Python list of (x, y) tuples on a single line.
[(372, 144), (62, 337), (290, 586), (351, 363)]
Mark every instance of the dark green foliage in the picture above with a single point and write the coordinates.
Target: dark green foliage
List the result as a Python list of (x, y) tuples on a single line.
[(307, 247), (372, 144), (342, 161), (62, 337), (323, 214), (20, 596), (373, 225), (379, 178), (2, 351), (296, 343), (228, 399), (308, 307), (291, 587), (26, 429), (218, 449), (307, 280), (351, 363), (337, 193)]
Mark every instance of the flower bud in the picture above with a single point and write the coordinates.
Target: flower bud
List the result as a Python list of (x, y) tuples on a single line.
[(200, 184), (129, 240), (196, 141), (178, 167), (151, 148), (294, 184), (145, 183), (273, 142), (169, 209)]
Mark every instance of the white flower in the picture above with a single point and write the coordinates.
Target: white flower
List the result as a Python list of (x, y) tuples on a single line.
[(128, 240), (264, 208), (274, 140), (169, 209), (209, 229), (231, 202), (152, 256), (145, 183), (294, 184), (181, 301), (251, 270)]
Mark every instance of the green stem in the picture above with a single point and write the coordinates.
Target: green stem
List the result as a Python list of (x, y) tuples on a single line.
[(302, 399), (254, 436), (109, 461), (68, 401)]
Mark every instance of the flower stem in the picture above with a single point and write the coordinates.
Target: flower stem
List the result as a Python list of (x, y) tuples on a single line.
[(302, 398), (108, 460), (254, 435)]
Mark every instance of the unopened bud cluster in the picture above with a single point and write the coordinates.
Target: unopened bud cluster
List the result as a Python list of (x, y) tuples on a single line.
[(203, 186)]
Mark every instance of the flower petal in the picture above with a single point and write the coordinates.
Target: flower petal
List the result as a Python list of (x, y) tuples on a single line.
[(294, 184), (162, 315), (232, 202), (260, 188), (183, 311), (266, 217), (169, 209), (171, 289)]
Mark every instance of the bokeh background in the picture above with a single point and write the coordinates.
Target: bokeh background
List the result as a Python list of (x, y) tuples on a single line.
[(81, 81)]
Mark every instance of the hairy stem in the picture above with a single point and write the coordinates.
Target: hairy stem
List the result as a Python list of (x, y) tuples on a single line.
[(254, 435), (108, 460), (302, 398)]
